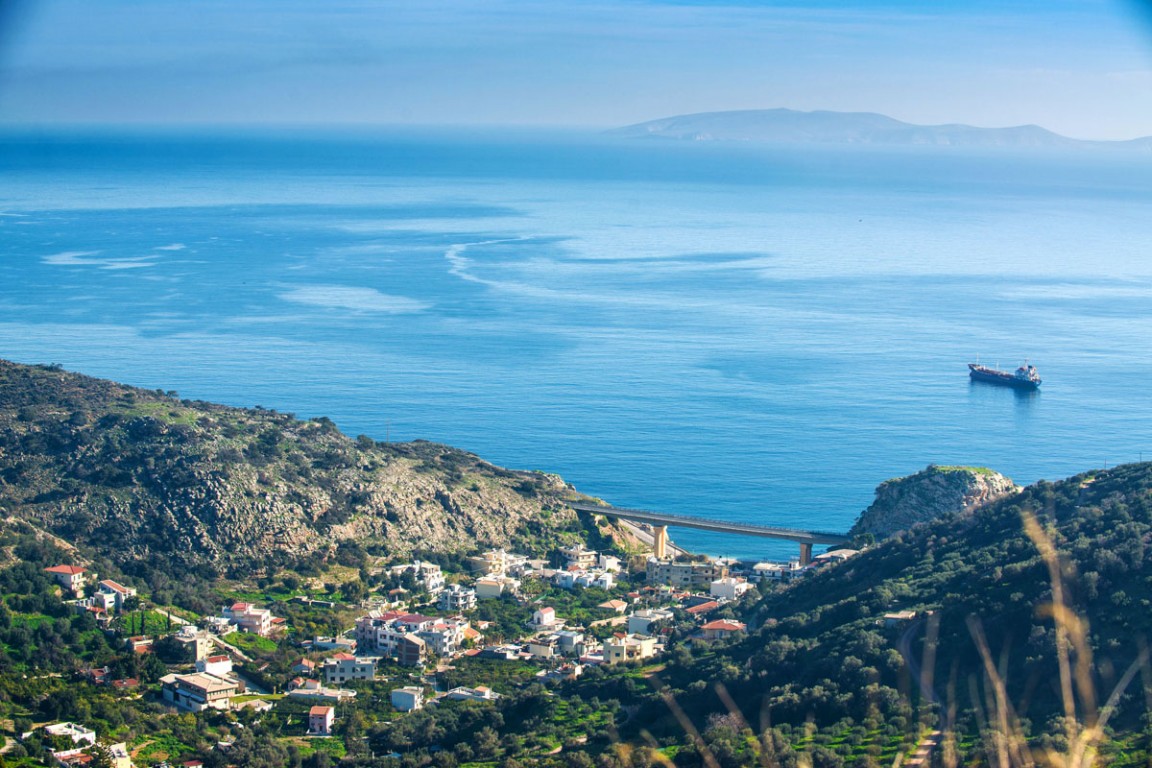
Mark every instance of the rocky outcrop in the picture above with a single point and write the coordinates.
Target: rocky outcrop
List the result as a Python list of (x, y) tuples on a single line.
[(135, 475), (930, 494)]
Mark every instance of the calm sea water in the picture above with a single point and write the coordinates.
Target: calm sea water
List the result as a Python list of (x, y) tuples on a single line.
[(759, 334)]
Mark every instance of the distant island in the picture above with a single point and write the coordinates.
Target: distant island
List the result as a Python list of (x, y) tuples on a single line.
[(788, 126)]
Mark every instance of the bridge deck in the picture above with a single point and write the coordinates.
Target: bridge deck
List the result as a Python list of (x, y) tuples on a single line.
[(706, 524)]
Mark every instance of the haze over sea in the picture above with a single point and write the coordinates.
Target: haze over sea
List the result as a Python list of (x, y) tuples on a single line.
[(745, 332)]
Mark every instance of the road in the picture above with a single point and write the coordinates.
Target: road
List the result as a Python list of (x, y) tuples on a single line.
[(647, 538), (923, 754)]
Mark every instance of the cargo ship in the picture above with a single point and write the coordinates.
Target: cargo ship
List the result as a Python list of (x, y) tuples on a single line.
[(1025, 377)]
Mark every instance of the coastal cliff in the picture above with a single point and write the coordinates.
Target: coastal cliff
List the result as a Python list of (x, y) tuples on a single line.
[(930, 494), (140, 476)]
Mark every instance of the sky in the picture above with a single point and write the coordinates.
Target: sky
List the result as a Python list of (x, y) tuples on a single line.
[(1082, 68)]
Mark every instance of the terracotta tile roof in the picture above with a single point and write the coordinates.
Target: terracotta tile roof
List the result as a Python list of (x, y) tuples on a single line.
[(696, 610), (320, 711), (115, 587), (725, 625), (70, 570)]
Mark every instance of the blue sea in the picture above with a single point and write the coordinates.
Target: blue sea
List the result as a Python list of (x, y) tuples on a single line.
[(745, 332)]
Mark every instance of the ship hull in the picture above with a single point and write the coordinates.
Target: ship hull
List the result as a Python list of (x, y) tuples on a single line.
[(1002, 378)]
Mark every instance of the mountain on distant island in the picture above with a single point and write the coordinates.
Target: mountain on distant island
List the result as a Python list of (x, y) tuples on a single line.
[(788, 126)]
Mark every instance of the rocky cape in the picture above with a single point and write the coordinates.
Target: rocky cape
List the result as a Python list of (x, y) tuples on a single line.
[(141, 476), (929, 495), (787, 126)]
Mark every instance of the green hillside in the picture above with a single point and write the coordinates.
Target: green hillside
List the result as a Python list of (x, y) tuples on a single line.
[(824, 681), (151, 481)]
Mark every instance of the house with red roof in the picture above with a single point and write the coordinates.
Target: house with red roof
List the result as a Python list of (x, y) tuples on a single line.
[(320, 720), (70, 577), (721, 629)]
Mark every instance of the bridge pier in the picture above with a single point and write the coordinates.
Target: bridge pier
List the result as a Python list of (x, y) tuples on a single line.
[(660, 541), (805, 553)]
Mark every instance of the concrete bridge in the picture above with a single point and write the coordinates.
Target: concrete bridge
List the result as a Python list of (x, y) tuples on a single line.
[(661, 520)]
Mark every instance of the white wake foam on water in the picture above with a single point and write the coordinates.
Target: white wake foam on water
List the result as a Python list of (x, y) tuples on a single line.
[(356, 299)]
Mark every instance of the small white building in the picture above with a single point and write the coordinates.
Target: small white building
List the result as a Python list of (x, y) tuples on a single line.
[(729, 588), (479, 693), (78, 733), (644, 622), (775, 571), (609, 563), (219, 665), (544, 617), (408, 699), (113, 594)]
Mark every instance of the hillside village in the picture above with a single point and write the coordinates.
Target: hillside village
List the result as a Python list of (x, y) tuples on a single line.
[(422, 635)]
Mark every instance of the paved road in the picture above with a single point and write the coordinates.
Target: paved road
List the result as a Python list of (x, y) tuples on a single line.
[(647, 538), (173, 617), (228, 646)]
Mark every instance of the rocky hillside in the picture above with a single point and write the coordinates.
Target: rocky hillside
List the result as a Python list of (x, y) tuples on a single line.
[(142, 476), (928, 495)]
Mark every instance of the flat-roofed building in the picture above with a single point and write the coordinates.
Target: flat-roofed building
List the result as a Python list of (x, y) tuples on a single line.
[(408, 699), (344, 667), (621, 648), (456, 598), (198, 692)]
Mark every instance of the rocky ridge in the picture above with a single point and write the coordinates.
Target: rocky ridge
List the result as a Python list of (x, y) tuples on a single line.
[(928, 495), (141, 476)]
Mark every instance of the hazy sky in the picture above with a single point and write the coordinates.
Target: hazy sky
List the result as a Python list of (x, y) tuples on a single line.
[(1080, 67)]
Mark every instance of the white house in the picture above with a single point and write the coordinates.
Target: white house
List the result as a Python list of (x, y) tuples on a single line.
[(544, 617), (774, 571), (78, 733), (643, 622), (70, 577), (729, 588), (479, 693), (219, 665), (408, 699), (456, 598), (114, 594), (248, 618)]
